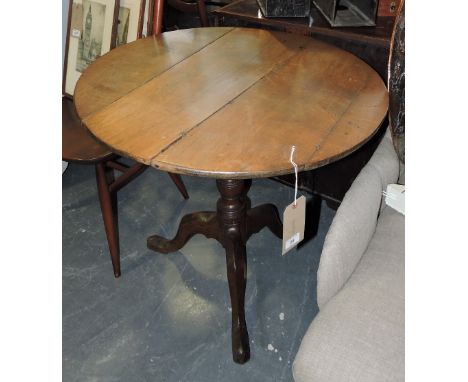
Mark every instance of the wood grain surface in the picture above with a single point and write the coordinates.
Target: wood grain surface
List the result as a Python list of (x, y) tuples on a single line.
[(230, 102)]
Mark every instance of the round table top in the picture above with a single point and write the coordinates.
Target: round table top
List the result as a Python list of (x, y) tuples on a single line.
[(231, 102)]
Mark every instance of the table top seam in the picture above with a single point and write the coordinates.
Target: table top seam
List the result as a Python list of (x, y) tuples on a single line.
[(155, 76), (300, 50)]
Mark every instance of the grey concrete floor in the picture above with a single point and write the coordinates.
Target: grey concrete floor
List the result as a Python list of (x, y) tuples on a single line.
[(168, 317)]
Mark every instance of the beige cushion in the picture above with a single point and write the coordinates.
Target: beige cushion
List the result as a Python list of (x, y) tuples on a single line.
[(355, 220), (359, 335)]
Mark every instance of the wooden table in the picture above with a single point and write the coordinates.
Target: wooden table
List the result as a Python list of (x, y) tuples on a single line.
[(228, 103)]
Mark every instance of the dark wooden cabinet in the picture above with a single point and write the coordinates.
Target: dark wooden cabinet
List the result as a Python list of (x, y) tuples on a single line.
[(371, 44), (388, 7)]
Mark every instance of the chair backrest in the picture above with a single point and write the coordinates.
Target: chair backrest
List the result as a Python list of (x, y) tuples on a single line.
[(156, 12), (194, 7), (155, 17), (396, 83)]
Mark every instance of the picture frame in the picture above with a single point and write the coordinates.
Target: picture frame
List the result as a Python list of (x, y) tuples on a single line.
[(91, 32), (130, 21)]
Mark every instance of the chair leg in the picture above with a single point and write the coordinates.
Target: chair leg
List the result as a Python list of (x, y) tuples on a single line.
[(179, 184), (108, 201)]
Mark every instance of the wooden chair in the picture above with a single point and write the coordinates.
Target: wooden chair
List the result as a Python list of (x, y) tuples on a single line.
[(197, 7), (79, 146)]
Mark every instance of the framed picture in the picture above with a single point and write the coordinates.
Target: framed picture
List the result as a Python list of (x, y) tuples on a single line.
[(92, 27), (130, 21)]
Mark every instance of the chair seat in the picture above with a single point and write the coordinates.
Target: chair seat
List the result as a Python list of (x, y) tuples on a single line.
[(78, 144)]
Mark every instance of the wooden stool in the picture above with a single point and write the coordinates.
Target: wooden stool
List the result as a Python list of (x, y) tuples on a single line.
[(79, 146)]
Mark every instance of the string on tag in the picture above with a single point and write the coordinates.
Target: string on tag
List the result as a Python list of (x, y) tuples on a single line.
[(293, 149)]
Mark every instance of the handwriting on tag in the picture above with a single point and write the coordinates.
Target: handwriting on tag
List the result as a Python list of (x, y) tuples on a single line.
[(293, 224), (76, 24)]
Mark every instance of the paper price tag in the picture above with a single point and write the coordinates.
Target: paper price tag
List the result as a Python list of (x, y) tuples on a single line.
[(292, 241), (76, 33), (293, 224)]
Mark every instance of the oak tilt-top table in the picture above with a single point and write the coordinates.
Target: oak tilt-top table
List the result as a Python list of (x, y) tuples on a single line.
[(229, 103)]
